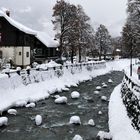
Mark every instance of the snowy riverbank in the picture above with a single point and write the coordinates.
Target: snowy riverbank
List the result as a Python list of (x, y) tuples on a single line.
[(119, 122), (37, 91)]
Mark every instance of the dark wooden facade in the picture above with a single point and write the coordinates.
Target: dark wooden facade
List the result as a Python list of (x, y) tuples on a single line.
[(12, 36)]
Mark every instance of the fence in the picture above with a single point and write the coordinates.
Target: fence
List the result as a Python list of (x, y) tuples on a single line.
[(131, 99), (29, 76)]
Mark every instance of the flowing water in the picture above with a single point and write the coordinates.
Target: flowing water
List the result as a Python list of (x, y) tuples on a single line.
[(56, 117)]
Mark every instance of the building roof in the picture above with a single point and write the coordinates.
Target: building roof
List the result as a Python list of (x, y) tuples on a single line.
[(42, 36)]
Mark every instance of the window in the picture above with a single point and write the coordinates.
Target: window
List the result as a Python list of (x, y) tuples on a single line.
[(19, 53), (27, 54)]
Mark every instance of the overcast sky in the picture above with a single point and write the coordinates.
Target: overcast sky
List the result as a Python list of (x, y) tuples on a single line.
[(37, 13)]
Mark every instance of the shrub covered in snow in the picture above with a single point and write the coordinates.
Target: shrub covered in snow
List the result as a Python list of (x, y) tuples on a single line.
[(31, 105), (12, 111), (104, 135), (77, 137), (3, 121), (75, 120), (75, 95), (61, 100), (91, 122), (38, 119)]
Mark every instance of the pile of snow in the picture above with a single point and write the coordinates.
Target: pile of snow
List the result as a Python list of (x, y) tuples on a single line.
[(110, 81), (3, 121), (12, 111), (75, 95), (30, 105), (51, 64), (96, 92), (75, 120), (98, 88), (61, 100), (104, 98), (20, 103), (91, 122), (77, 137), (100, 112), (38, 119), (104, 135)]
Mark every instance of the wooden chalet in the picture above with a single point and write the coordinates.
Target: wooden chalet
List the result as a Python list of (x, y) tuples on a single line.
[(24, 45)]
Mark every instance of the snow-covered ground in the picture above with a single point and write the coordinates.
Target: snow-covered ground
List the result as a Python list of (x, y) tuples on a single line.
[(119, 122), (37, 91)]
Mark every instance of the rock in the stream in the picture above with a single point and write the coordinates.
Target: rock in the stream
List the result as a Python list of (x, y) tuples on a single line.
[(30, 105), (3, 121), (75, 95), (38, 119), (75, 120), (12, 111), (104, 136), (91, 122), (61, 100), (77, 137), (98, 88), (104, 98)]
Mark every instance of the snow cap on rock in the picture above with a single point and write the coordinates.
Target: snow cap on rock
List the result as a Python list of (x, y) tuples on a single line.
[(3, 121), (96, 92), (75, 95), (110, 81), (77, 137), (75, 120), (61, 100), (98, 88), (12, 111), (104, 98), (31, 105), (91, 122), (104, 135), (38, 119)]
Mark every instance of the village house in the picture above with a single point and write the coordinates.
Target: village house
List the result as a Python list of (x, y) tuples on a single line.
[(23, 45)]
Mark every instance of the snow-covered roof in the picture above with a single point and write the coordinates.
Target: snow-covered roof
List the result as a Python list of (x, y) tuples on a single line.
[(42, 36), (46, 39)]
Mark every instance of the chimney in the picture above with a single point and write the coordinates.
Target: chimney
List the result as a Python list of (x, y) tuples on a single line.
[(7, 13)]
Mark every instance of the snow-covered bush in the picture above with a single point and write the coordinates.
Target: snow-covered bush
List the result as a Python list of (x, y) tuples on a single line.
[(38, 119), (75, 95), (91, 122), (77, 137), (61, 100), (75, 120), (12, 111), (3, 121)]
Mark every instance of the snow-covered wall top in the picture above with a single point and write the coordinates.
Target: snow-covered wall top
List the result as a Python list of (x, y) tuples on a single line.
[(42, 36)]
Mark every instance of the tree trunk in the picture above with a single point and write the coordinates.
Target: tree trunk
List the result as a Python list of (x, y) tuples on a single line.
[(79, 54), (72, 54)]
